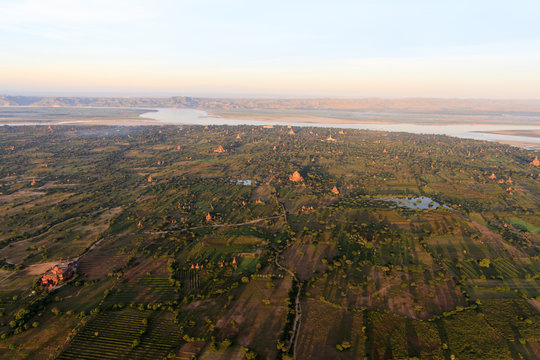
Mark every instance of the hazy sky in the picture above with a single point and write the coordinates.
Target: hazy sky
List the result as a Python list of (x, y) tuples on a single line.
[(389, 48)]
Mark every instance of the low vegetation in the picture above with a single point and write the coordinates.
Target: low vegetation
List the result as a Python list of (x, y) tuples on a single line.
[(180, 256)]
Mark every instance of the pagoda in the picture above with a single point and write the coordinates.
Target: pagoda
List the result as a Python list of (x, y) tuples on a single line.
[(296, 177), (220, 149)]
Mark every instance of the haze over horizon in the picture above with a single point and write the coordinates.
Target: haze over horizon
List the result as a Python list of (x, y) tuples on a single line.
[(485, 49)]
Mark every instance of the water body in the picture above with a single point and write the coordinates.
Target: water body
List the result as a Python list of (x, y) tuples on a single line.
[(466, 131), (18, 116), (422, 203), (243, 182)]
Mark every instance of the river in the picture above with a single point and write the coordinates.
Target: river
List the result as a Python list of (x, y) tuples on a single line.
[(466, 131), (18, 116)]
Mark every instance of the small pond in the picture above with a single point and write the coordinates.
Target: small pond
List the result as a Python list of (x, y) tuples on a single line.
[(422, 202)]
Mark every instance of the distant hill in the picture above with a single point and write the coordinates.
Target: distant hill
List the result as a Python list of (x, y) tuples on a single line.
[(412, 105)]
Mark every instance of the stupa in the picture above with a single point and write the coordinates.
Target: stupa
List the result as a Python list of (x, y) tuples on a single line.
[(220, 149), (296, 177), (535, 162), (335, 190)]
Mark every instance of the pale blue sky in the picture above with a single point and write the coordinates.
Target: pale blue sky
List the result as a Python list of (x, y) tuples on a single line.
[(387, 48)]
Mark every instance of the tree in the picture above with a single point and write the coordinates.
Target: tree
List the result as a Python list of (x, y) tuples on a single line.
[(250, 355), (485, 262), (21, 313)]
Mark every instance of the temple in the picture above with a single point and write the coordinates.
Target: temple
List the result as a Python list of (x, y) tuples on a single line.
[(296, 177), (220, 149), (57, 274)]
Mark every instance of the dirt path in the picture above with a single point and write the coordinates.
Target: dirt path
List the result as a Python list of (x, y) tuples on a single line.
[(240, 224), (90, 248), (297, 306), (297, 311), (215, 225)]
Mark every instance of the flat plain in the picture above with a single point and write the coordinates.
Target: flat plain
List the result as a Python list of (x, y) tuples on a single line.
[(203, 241)]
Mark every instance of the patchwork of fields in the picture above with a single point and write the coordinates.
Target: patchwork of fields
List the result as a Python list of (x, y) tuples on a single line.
[(178, 252)]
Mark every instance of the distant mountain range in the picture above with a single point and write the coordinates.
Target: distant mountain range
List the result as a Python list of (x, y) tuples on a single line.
[(413, 105)]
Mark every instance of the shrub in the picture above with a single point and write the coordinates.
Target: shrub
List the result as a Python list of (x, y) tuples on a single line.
[(485, 263)]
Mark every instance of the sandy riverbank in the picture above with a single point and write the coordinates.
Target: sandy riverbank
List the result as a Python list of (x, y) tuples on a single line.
[(128, 121), (525, 133), (522, 144), (383, 118)]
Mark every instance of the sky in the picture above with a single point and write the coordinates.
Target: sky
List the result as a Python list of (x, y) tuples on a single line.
[(252, 48)]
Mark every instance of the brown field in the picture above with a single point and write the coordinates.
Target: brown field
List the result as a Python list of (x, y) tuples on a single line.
[(190, 350), (305, 259), (52, 239), (252, 323), (38, 269), (42, 341), (149, 265), (324, 326), (233, 353), (100, 261)]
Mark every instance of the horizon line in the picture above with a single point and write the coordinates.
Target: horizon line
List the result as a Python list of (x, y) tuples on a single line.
[(273, 97)]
